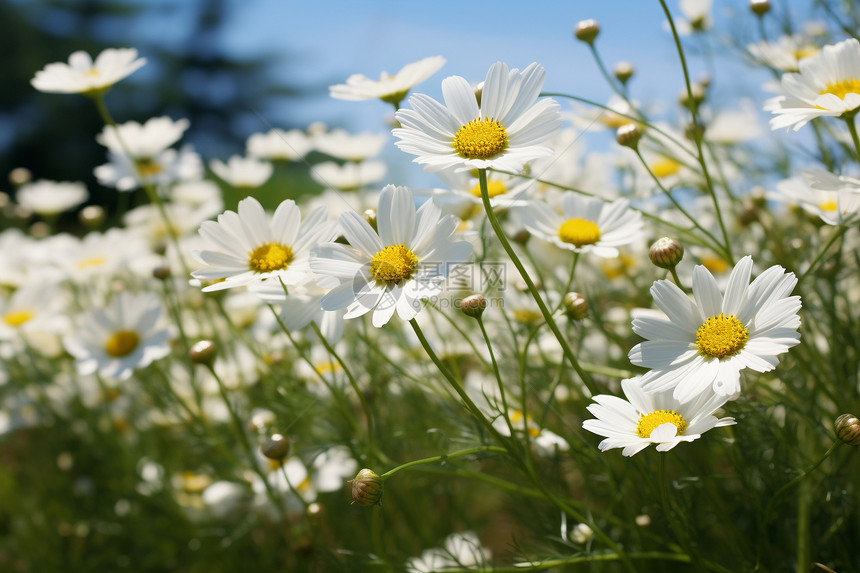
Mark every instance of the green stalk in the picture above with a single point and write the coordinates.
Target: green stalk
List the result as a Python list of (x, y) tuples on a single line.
[(442, 458), (497, 228)]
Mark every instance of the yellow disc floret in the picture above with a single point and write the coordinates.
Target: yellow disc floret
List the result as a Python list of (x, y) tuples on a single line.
[(649, 422), (842, 88), (393, 264), (270, 257), (828, 205), (579, 232), (665, 167), (721, 336), (122, 343), (494, 189), (481, 139), (148, 167), (17, 317)]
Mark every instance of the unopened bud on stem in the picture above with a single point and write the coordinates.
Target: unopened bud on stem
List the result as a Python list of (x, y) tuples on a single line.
[(366, 488), (473, 305), (848, 429), (666, 253), (586, 31)]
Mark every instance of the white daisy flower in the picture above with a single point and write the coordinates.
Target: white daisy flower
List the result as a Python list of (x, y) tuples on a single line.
[(704, 344), (143, 141), (82, 75), (785, 54), (697, 16), (116, 340), (395, 269), (503, 132), (828, 84), (390, 89), (242, 172), (462, 197), (279, 145), (128, 173), (349, 176), (249, 246), (835, 200), (347, 146), (586, 224), (37, 307), (48, 198), (652, 418)]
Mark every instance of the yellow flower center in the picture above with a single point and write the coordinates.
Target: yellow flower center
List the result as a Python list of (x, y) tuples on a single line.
[(270, 257), (614, 121), (393, 264), (805, 52), (721, 336), (828, 205), (494, 189), (526, 316), (842, 88), (649, 422), (122, 343), (481, 139), (92, 72), (665, 167), (579, 232), (90, 262), (17, 317), (715, 265), (148, 167), (614, 268)]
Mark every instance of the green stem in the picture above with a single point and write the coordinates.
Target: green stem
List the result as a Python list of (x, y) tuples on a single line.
[(368, 414), (498, 374), (797, 480), (672, 517), (582, 559), (246, 444), (497, 228), (442, 458), (715, 244), (852, 129), (821, 254), (697, 133)]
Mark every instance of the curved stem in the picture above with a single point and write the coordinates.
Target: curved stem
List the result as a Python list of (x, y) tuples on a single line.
[(852, 129), (798, 479), (497, 228), (697, 133), (821, 254), (442, 458)]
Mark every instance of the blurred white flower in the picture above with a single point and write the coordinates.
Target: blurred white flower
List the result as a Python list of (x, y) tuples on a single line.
[(85, 76), (341, 144), (279, 145), (390, 89), (48, 198), (242, 172), (120, 338), (349, 176)]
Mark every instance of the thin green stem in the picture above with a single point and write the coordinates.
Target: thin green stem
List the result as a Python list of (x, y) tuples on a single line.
[(697, 133), (442, 458), (806, 473), (368, 414), (497, 228), (821, 254), (498, 374), (672, 517), (715, 244), (852, 129)]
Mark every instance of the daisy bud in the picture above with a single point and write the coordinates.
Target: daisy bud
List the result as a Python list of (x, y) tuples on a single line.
[(203, 352), (575, 306), (20, 176), (623, 71), (366, 488), (760, 7), (581, 533), (521, 236), (276, 447), (161, 272), (629, 135), (697, 90), (643, 520), (666, 253), (92, 216), (40, 230), (848, 429), (473, 305), (586, 31)]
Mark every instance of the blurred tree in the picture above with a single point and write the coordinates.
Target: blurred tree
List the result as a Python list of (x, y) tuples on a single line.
[(190, 73)]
